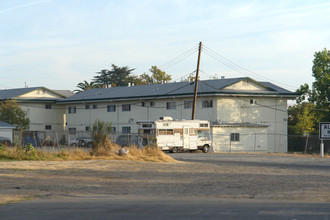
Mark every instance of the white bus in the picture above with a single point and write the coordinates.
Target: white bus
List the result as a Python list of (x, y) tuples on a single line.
[(176, 135)]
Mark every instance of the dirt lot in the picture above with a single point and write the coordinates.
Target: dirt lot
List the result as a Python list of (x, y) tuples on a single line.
[(234, 176)]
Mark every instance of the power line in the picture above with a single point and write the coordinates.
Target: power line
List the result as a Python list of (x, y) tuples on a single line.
[(179, 58), (236, 67)]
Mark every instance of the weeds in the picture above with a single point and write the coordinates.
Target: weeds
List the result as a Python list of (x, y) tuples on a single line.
[(106, 150)]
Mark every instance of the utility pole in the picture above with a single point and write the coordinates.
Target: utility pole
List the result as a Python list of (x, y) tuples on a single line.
[(196, 81)]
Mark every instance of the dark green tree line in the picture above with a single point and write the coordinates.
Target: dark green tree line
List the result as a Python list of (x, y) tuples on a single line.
[(123, 76), (313, 106)]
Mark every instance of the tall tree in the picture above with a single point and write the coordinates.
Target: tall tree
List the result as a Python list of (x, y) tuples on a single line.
[(11, 113), (117, 76), (103, 78), (313, 106), (321, 85), (83, 86), (157, 76)]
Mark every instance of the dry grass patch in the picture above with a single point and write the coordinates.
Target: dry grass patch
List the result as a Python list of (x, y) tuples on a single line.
[(106, 151)]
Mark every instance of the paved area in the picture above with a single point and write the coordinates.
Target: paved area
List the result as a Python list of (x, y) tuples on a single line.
[(211, 186)]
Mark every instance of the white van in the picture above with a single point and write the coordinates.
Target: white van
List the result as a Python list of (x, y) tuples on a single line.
[(176, 135)]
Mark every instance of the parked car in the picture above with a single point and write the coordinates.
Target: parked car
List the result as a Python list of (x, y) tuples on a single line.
[(127, 140), (5, 141), (81, 142)]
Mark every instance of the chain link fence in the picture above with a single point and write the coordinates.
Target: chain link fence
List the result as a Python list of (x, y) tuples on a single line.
[(307, 144), (255, 142), (77, 138)]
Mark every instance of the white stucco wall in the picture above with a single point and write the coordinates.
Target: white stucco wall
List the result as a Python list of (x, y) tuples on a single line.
[(40, 116), (86, 117), (7, 132), (251, 139)]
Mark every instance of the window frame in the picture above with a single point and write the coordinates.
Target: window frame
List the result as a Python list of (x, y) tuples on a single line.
[(72, 109), (207, 103), (234, 137), (72, 131), (111, 108), (171, 105), (188, 104), (124, 106), (128, 129)]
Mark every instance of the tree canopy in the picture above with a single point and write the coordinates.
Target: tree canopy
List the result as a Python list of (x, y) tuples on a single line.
[(11, 113), (86, 86), (117, 76), (123, 76), (313, 106), (321, 85)]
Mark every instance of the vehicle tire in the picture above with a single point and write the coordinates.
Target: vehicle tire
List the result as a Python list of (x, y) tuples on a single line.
[(90, 144), (74, 145), (205, 148), (144, 142), (174, 150), (83, 144)]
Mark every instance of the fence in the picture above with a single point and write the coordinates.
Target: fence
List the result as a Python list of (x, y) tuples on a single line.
[(308, 144), (263, 142), (255, 142), (77, 138)]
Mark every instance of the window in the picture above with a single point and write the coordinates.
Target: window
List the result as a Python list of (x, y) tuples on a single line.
[(170, 105), (234, 137), (253, 101), (203, 125), (48, 106), (207, 103), (111, 108), (126, 130), (94, 106), (113, 130), (165, 131), (126, 107), (152, 104), (193, 131), (72, 131), (48, 127), (188, 104), (143, 104), (87, 128), (72, 110), (87, 107)]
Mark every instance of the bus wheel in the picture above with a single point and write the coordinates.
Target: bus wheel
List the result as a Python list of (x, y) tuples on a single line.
[(205, 148), (174, 150)]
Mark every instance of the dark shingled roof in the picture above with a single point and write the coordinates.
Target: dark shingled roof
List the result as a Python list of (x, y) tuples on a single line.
[(15, 93), (205, 87)]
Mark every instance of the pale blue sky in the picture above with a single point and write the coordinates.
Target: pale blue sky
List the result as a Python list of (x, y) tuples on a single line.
[(59, 43)]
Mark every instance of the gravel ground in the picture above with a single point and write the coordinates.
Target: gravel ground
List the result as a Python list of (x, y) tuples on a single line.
[(228, 176)]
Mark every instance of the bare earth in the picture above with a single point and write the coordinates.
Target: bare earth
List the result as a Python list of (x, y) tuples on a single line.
[(232, 176)]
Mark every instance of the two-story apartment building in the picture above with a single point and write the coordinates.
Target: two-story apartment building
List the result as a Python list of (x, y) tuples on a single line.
[(232, 106), (39, 104)]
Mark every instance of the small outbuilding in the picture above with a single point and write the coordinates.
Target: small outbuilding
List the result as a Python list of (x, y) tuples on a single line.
[(6, 131), (242, 137)]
